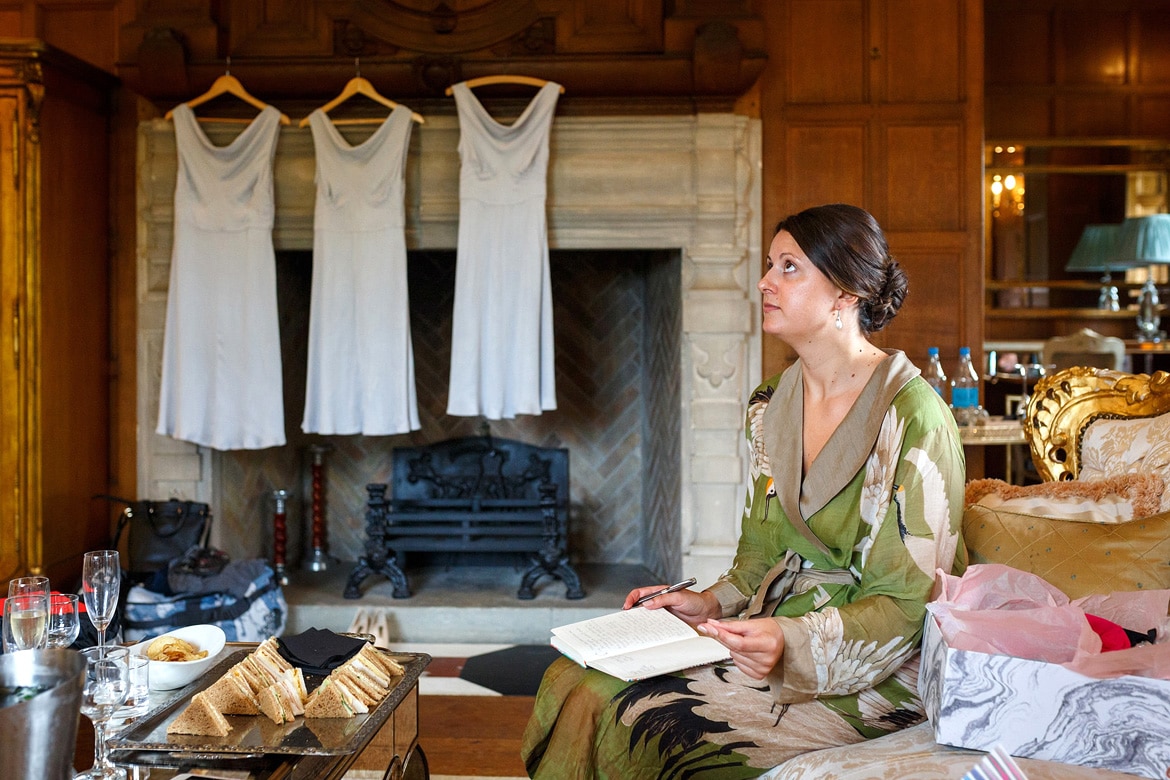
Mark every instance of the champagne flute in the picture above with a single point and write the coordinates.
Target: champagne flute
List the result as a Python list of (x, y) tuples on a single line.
[(107, 681), (101, 577), (64, 625)]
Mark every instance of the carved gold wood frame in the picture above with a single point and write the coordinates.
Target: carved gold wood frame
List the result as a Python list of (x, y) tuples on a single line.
[(1064, 404)]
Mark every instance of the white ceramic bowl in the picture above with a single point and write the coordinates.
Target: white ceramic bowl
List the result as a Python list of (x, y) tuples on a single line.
[(168, 675)]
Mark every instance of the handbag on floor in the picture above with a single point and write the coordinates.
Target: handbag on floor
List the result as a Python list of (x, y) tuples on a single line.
[(160, 531)]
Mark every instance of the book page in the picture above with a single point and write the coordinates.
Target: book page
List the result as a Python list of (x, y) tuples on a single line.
[(621, 632), (663, 659)]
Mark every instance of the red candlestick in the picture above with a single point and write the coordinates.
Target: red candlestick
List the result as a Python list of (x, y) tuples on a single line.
[(317, 559), (280, 535)]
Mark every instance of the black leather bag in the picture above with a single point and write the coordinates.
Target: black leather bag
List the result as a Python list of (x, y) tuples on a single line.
[(161, 531)]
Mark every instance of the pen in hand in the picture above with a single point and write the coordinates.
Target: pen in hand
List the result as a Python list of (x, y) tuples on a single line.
[(676, 587)]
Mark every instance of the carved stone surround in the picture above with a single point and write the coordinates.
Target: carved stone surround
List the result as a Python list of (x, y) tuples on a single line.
[(686, 183)]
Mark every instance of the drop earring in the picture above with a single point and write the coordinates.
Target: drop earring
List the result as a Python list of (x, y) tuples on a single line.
[(838, 323)]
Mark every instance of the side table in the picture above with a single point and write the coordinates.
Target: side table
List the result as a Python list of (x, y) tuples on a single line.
[(392, 748)]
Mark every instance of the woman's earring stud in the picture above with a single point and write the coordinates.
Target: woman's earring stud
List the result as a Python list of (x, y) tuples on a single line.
[(839, 326)]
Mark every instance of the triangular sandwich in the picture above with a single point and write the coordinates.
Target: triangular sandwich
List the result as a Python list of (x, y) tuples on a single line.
[(231, 695), (200, 718), (329, 701), (274, 703)]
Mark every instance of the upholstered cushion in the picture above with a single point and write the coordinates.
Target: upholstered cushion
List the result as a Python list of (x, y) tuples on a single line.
[(1108, 500), (1079, 558), (912, 754), (1112, 447)]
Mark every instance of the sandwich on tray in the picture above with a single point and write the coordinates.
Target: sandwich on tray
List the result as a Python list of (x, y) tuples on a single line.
[(200, 718), (333, 699)]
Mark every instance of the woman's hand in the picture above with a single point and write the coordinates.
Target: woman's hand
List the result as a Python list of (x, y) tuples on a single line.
[(694, 607), (756, 645)]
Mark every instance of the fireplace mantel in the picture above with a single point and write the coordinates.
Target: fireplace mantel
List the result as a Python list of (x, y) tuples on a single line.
[(684, 183)]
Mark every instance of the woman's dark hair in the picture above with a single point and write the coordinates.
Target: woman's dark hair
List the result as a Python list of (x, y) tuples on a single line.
[(846, 244)]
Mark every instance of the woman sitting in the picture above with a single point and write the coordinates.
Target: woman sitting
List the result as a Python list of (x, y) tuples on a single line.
[(854, 501)]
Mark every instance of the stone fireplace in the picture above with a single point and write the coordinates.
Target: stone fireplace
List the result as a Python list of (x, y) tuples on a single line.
[(654, 227)]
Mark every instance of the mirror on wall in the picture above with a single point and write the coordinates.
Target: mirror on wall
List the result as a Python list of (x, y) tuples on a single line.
[(1041, 195)]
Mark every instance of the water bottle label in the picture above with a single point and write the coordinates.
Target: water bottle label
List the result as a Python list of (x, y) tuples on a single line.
[(965, 397)]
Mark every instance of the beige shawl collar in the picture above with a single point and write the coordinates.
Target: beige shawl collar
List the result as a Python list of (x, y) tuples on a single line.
[(843, 454)]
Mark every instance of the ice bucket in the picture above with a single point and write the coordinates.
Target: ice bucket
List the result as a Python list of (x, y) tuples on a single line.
[(38, 734)]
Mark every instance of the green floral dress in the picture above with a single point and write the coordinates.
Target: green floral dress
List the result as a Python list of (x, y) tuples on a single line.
[(863, 532)]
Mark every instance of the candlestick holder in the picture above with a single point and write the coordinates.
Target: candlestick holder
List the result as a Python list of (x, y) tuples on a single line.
[(280, 535), (317, 559)]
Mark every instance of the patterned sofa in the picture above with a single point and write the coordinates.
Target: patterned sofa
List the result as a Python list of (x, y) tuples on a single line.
[(1100, 522)]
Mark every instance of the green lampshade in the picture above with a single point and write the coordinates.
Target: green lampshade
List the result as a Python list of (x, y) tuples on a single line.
[(1094, 250), (1144, 241)]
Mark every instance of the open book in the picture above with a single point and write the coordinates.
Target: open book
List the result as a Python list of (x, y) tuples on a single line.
[(637, 643)]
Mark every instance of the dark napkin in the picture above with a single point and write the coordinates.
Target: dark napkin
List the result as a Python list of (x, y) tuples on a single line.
[(318, 650)]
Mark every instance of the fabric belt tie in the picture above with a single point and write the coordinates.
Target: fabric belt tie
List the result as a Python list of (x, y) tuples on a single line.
[(786, 579)]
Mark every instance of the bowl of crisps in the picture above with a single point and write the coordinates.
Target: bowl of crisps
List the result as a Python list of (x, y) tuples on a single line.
[(180, 655)]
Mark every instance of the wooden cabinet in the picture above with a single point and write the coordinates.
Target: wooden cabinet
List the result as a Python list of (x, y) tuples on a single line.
[(54, 310)]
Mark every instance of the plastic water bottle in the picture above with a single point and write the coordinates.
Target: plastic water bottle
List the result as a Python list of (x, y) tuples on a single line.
[(965, 391), (934, 375)]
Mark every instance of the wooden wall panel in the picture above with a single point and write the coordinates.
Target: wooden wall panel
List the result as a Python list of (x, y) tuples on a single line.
[(89, 32), (1151, 116), (823, 164), (276, 27), (633, 26), (824, 51), (925, 177), (1153, 41), (10, 21), (934, 302), (1092, 114), (921, 51), (1018, 47), (1092, 46)]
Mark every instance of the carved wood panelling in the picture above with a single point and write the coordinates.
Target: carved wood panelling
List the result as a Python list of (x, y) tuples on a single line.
[(305, 49), (937, 298), (1077, 69), (589, 26), (824, 51), (921, 51), (275, 27), (924, 181), (824, 164)]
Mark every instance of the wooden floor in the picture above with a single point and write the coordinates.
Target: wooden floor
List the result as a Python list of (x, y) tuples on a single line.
[(473, 735)]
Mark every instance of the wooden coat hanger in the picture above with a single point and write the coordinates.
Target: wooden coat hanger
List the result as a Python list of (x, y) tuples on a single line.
[(360, 86), (503, 79), (227, 84)]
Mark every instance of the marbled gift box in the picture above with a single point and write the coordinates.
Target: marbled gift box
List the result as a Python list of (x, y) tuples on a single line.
[(1042, 710)]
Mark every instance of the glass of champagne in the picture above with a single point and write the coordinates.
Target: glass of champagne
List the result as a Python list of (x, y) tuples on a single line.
[(63, 621), (101, 576), (25, 619), (107, 681), (26, 613)]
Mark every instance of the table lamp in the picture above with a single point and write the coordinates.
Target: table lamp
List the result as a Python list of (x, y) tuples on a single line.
[(1094, 252), (1145, 241)]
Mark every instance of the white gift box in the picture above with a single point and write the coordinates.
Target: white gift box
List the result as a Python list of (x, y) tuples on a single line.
[(1042, 710)]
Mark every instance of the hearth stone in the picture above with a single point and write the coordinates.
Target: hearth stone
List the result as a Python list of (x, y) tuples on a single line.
[(474, 604)]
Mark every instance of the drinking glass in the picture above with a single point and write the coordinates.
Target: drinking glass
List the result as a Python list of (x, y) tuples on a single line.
[(26, 621), (64, 625), (107, 681), (101, 576), (29, 586)]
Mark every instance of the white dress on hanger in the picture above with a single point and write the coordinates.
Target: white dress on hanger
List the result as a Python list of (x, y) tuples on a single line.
[(502, 326), (221, 367), (361, 364)]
